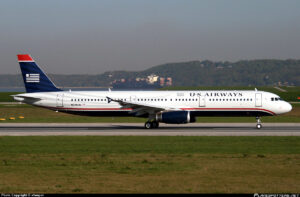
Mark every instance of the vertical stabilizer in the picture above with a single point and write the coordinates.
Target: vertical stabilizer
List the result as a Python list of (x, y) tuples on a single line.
[(35, 79)]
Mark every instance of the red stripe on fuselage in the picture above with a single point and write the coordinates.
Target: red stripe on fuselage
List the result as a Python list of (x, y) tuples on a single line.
[(194, 109)]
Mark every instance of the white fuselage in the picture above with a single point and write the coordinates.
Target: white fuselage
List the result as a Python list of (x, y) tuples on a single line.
[(200, 103)]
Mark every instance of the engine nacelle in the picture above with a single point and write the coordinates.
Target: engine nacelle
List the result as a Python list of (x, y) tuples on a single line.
[(175, 117)]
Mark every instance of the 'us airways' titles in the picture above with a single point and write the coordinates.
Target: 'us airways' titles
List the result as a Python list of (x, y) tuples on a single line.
[(217, 94)]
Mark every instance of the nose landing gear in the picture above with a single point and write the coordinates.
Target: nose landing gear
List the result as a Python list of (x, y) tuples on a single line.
[(258, 125)]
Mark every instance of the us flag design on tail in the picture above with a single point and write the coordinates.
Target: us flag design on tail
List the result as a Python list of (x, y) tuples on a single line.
[(32, 78)]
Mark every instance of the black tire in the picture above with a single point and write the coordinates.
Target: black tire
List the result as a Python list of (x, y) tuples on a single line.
[(258, 126), (148, 125)]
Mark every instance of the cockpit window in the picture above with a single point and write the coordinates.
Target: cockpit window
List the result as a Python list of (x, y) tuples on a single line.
[(276, 99)]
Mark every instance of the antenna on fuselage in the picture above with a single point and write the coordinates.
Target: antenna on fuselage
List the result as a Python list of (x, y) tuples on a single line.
[(255, 89), (109, 89)]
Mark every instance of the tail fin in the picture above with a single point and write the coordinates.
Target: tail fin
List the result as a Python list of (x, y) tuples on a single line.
[(35, 79)]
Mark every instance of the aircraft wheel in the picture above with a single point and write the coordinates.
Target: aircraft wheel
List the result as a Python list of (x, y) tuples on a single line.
[(148, 125), (258, 126)]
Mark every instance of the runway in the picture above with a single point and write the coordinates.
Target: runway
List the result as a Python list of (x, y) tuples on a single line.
[(137, 129)]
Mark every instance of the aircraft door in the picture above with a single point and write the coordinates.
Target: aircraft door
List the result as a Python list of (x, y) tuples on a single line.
[(59, 100), (201, 101), (258, 100)]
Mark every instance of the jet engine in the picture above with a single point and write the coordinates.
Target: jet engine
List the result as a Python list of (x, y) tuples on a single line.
[(175, 117)]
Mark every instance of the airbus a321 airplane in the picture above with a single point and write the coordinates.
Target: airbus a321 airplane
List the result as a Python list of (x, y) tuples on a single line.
[(172, 107)]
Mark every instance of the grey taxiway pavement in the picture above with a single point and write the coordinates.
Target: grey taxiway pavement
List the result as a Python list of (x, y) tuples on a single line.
[(137, 129)]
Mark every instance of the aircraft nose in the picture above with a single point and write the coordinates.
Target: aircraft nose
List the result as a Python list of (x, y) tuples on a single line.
[(288, 107)]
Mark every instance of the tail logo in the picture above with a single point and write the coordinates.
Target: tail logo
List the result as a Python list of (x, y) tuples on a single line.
[(32, 78)]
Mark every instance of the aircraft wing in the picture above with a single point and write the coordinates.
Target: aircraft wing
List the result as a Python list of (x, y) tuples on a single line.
[(140, 108)]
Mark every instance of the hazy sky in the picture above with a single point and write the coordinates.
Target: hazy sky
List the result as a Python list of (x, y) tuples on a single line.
[(93, 36)]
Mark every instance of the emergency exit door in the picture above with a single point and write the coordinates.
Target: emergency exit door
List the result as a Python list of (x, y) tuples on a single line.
[(59, 100), (258, 100), (201, 101)]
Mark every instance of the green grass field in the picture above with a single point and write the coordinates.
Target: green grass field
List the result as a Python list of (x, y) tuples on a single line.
[(95, 164), (149, 164)]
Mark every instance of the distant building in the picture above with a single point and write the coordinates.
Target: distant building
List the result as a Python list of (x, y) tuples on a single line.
[(152, 78), (161, 81), (150, 82), (169, 81)]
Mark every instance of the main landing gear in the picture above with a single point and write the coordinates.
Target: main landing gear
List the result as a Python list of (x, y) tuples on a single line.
[(258, 125), (150, 125)]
